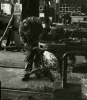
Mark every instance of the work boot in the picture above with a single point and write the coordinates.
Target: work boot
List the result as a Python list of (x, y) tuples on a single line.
[(26, 77), (27, 72)]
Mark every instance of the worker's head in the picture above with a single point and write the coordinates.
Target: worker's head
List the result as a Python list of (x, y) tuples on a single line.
[(24, 27)]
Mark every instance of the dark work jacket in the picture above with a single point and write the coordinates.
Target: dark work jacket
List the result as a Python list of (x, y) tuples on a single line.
[(30, 30)]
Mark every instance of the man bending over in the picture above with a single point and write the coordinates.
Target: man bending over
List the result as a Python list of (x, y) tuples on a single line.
[(32, 30)]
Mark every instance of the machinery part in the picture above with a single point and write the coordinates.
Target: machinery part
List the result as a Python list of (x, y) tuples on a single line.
[(42, 71), (6, 28), (12, 48)]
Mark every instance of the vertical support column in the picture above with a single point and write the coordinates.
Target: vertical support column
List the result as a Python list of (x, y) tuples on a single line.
[(0, 6), (30, 8), (57, 10), (45, 23), (46, 6), (46, 14), (64, 83), (0, 90)]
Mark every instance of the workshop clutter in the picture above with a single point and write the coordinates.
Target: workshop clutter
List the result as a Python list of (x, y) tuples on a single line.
[(13, 38)]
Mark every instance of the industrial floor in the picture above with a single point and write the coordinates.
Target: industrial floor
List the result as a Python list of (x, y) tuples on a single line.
[(13, 88)]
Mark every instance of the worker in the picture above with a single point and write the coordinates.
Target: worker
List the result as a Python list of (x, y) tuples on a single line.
[(32, 30)]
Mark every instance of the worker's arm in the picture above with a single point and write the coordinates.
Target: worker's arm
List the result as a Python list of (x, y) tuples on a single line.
[(46, 29), (44, 34)]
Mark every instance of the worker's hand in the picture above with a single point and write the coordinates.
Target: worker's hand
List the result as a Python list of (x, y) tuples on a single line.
[(29, 47), (35, 48)]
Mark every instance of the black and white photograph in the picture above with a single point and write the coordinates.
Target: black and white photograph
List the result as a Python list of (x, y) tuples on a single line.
[(43, 49)]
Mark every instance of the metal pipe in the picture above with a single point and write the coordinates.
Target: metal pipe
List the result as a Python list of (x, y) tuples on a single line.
[(57, 10)]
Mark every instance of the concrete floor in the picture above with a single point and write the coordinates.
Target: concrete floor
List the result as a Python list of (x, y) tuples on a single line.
[(11, 79)]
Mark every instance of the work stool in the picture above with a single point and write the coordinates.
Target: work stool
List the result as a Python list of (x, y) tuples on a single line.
[(77, 68)]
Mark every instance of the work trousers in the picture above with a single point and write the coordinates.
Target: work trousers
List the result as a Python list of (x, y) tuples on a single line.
[(33, 56)]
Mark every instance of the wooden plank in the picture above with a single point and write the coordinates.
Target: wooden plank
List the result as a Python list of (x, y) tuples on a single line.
[(7, 94)]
